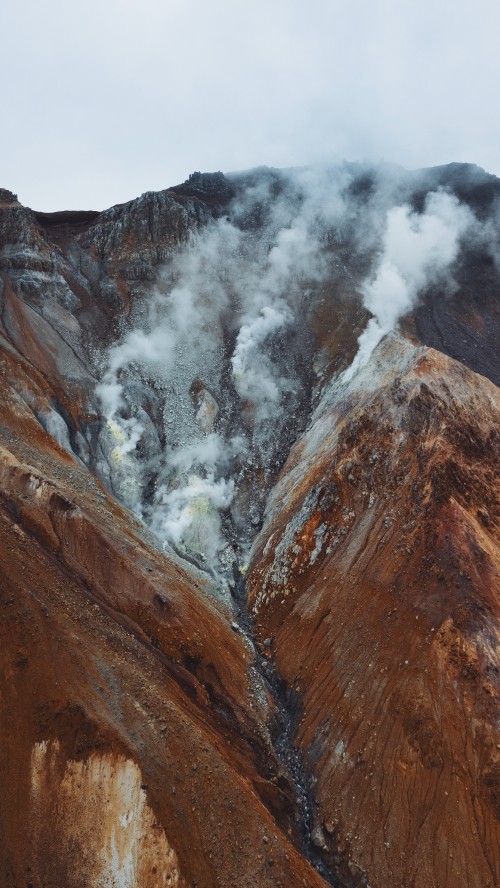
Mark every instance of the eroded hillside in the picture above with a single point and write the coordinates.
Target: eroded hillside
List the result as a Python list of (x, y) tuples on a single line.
[(235, 373)]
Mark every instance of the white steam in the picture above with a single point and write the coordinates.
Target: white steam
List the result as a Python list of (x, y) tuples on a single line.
[(196, 502), (226, 283), (139, 348), (189, 425), (254, 334), (255, 378), (311, 204), (418, 251), (187, 506)]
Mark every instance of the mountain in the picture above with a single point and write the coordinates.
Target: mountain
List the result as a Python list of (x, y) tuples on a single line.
[(249, 531)]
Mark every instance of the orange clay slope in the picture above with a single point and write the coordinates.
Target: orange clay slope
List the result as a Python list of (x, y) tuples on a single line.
[(376, 579), (133, 727)]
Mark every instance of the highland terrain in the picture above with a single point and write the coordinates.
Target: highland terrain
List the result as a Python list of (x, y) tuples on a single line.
[(250, 534)]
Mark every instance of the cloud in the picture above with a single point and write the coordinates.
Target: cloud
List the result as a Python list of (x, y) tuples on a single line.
[(230, 87)]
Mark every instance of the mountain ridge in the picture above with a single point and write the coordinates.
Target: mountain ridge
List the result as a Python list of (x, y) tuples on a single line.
[(186, 356)]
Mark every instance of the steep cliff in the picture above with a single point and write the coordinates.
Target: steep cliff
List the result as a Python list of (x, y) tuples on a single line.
[(186, 401)]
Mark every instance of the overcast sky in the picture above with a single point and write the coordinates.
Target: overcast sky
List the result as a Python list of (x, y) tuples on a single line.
[(104, 99)]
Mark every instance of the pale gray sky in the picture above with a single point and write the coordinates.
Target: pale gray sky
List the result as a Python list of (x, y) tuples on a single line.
[(105, 99)]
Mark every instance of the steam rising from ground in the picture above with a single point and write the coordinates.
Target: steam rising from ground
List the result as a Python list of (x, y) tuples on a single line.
[(255, 381), (230, 283), (246, 280), (417, 251)]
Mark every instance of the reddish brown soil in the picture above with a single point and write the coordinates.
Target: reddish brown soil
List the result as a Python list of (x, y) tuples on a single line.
[(389, 633), (133, 727), (111, 653)]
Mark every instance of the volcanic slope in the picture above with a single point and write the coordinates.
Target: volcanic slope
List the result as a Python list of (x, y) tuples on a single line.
[(138, 729), (134, 729), (376, 578)]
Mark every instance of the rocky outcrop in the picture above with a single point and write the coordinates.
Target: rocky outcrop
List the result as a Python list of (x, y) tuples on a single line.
[(376, 580), (132, 239), (213, 188)]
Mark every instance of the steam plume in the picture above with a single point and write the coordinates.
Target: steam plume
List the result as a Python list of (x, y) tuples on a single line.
[(418, 250), (246, 279)]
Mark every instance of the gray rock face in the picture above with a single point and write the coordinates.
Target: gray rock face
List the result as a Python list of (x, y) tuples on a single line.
[(132, 239), (7, 197), (207, 185)]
